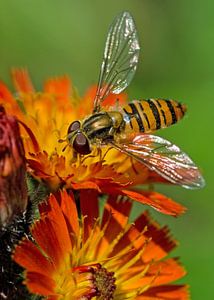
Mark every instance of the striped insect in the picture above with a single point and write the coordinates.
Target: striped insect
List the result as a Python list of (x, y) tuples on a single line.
[(127, 128)]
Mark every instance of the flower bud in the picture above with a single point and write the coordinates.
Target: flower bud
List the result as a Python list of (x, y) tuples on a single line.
[(13, 187)]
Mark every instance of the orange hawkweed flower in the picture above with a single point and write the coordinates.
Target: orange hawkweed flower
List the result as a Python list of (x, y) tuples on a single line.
[(46, 116), (98, 257)]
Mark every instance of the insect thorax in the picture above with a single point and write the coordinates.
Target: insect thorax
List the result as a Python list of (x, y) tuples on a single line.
[(102, 125)]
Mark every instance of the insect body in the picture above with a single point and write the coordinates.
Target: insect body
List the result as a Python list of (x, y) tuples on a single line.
[(126, 128)]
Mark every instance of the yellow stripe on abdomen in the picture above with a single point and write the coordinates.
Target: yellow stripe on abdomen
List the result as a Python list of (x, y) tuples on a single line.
[(152, 114)]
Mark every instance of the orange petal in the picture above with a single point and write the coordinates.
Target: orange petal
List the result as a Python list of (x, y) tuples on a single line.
[(8, 101), (60, 87), (85, 106), (69, 209), (161, 243), (28, 256), (22, 81), (53, 239), (89, 208), (115, 218), (116, 214), (157, 201), (159, 273), (37, 169), (166, 292), (40, 284), (5, 94), (52, 211), (114, 100), (85, 185), (168, 271), (32, 137), (111, 100)]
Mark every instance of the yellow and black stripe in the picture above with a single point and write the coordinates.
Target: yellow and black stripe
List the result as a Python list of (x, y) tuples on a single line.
[(152, 114)]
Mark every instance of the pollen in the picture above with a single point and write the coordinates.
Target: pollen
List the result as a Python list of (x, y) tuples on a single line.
[(104, 283), (93, 281)]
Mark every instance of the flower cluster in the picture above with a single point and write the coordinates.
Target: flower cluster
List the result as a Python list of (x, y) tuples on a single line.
[(75, 249)]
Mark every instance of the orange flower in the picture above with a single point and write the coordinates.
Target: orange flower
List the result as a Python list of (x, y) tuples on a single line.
[(13, 188), (98, 257), (46, 116)]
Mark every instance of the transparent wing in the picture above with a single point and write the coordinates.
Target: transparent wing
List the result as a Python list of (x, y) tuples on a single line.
[(165, 158), (120, 60)]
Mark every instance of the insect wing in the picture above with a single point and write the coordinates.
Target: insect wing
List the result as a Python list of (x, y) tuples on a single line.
[(165, 158), (120, 60)]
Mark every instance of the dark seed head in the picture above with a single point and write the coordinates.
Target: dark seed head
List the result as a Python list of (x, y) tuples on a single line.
[(104, 282), (81, 144)]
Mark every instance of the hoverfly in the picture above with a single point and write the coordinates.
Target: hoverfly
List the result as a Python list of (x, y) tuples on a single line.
[(126, 128)]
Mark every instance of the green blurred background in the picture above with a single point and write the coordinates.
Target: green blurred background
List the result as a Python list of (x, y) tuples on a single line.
[(67, 37)]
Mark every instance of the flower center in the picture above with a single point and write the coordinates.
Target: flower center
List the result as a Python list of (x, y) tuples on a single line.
[(102, 282)]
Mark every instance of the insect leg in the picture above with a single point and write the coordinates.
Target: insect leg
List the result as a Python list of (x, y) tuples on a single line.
[(107, 151), (133, 166), (88, 156)]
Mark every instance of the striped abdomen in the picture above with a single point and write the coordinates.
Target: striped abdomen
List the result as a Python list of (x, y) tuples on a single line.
[(152, 114)]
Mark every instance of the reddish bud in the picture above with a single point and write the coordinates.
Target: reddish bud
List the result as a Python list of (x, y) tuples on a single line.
[(13, 188)]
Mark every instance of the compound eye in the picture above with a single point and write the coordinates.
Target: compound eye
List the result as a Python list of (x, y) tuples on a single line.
[(81, 144), (74, 126)]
